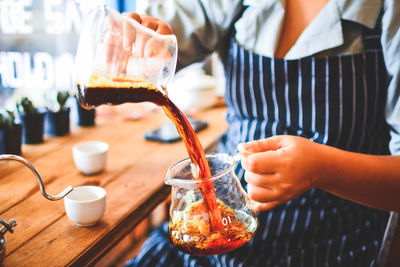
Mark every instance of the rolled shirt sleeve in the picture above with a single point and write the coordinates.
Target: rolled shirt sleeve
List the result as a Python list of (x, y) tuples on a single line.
[(391, 51)]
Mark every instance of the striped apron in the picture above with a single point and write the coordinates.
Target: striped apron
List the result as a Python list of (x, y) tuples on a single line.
[(338, 101)]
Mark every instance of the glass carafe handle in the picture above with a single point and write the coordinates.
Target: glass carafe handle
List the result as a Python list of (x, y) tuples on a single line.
[(254, 204)]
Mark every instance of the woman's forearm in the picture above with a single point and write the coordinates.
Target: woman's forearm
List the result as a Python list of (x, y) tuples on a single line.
[(367, 179)]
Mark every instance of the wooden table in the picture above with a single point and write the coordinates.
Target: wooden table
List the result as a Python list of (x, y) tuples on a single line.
[(133, 178)]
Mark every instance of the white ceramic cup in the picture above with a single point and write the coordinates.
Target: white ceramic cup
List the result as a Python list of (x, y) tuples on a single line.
[(90, 157), (85, 205)]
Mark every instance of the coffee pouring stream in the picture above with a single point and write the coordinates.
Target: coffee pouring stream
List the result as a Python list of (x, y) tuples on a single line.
[(210, 211), (8, 227)]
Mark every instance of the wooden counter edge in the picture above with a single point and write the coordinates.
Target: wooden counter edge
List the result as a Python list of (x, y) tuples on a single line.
[(124, 227)]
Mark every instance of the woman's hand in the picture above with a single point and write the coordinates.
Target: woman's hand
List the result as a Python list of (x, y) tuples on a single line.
[(123, 41), (279, 168), (155, 24), (149, 47)]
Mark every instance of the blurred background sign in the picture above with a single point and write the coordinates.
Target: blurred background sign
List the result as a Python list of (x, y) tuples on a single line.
[(38, 40)]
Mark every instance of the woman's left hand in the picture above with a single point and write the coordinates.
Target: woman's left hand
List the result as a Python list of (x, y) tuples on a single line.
[(280, 168)]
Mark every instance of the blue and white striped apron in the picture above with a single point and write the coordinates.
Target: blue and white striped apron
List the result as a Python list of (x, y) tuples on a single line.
[(338, 101)]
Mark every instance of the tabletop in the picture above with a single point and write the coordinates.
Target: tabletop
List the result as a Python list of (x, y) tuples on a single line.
[(133, 178)]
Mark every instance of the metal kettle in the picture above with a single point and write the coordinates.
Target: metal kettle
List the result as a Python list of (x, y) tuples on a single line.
[(8, 227), (3, 242)]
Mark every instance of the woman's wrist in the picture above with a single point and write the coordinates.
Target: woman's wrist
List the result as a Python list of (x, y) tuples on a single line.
[(320, 165), (331, 163)]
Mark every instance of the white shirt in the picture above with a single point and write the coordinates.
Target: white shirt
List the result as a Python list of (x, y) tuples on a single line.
[(201, 26)]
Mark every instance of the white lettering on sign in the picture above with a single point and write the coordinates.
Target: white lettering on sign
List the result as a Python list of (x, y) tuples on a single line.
[(64, 71), (55, 19), (44, 70), (60, 16), (37, 43), (26, 16), (72, 17), (15, 18), (37, 71), (14, 70), (59, 20)]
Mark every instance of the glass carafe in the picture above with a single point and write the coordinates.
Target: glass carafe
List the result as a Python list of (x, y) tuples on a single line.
[(189, 227), (116, 55)]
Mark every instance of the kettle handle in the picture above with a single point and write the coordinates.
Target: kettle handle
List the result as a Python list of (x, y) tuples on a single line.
[(61, 195)]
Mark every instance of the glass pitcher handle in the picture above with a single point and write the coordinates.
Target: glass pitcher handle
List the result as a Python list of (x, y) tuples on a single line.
[(236, 157)]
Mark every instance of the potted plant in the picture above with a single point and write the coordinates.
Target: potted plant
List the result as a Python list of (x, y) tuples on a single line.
[(32, 122), (57, 122), (10, 134), (85, 117)]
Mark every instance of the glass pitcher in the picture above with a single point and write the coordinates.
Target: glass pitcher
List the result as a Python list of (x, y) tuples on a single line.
[(189, 227), (116, 54)]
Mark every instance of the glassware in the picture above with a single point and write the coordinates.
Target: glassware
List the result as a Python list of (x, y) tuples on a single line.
[(115, 51), (189, 228)]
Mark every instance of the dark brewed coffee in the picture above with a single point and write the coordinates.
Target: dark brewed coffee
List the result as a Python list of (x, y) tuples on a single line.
[(191, 234), (102, 90)]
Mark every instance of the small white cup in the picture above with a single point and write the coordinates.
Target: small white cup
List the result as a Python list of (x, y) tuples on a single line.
[(85, 205), (90, 157)]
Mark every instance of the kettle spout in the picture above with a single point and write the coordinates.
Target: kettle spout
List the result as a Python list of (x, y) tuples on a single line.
[(65, 192)]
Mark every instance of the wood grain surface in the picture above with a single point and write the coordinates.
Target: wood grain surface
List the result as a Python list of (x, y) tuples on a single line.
[(133, 178)]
